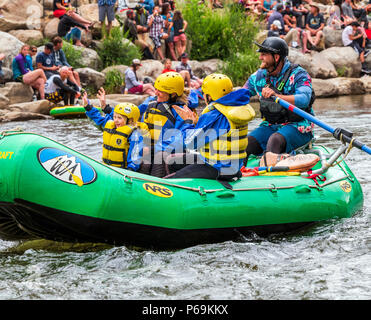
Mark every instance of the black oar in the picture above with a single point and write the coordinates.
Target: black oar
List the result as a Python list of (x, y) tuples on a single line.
[(338, 133)]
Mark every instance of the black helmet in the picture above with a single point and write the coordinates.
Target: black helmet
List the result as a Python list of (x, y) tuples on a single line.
[(274, 45)]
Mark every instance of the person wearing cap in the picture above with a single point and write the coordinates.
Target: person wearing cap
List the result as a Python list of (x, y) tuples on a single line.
[(131, 81), (292, 37), (353, 36), (186, 71), (220, 135), (122, 137), (276, 15), (281, 130), (314, 26), (45, 61)]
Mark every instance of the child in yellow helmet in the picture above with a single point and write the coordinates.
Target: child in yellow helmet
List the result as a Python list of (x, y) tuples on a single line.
[(122, 141), (220, 135)]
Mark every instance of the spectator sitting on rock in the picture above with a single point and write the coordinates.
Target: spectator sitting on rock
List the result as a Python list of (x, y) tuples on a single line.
[(348, 13), (292, 38), (106, 8), (167, 15), (2, 57), (355, 37), (300, 13), (314, 26), (45, 61), (131, 27), (360, 13), (289, 18), (180, 37), (32, 52), (167, 66), (277, 15), (64, 7), (60, 60), (69, 29), (186, 72), (58, 87), (22, 71), (156, 30), (132, 84)]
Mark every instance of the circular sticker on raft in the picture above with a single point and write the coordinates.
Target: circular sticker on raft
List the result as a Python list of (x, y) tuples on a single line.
[(346, 186), (66, 167), (158, 190)]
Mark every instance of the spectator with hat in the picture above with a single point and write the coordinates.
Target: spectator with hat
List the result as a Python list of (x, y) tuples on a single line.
[(132, 84), (186, 71), (314, 26)]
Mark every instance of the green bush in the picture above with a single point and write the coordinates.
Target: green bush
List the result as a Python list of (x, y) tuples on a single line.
[(73, 55), (114, 81), (225, 34), (115, 51)]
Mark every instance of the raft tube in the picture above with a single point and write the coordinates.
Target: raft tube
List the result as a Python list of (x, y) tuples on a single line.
[(69, 112), (40, 197)]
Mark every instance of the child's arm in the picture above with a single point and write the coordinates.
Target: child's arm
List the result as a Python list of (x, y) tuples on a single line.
[(94, 114)]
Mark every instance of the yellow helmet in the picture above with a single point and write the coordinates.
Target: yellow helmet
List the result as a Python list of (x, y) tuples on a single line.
[(129, 110), (217, 85), (170, 82)]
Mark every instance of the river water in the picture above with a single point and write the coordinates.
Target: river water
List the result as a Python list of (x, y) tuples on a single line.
[(328, 261)]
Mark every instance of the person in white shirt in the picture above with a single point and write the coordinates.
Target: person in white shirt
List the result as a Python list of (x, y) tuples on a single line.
[(355, 37)]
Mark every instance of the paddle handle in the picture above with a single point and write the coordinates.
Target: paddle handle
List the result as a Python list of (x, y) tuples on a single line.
[(346, 135)]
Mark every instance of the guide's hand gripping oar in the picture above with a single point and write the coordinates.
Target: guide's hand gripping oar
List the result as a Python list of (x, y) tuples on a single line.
[(338, 133)]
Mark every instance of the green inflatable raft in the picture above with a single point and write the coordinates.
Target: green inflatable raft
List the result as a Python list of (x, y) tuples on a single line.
[(50, 191), (69, 112)]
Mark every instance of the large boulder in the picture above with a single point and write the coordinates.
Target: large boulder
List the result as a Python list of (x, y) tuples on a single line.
[(21, 116), (20, 14), (316, 66), (150, 68), (4, 101), (10, 46), (90, 77), (51, 28), (90, 58), (27, 36), (137, 99), (344, 59), (339, 86), (367, 83), (332, 37), (121, 68), (40, 106), (17, 92)]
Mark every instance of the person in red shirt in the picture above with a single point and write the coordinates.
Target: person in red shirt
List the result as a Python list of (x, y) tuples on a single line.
[(167, 66)]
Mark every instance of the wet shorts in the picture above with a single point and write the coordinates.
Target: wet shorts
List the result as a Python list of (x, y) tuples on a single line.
[(294, 138)]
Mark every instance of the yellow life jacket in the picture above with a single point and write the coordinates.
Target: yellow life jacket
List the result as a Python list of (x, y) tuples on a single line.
[(155, 118), (115, 144), (231, 145)]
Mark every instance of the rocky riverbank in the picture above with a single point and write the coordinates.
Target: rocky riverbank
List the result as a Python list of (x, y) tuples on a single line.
[(335, 71)]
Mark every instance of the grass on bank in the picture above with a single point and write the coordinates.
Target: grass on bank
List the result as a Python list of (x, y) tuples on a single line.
[(226, 34)]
